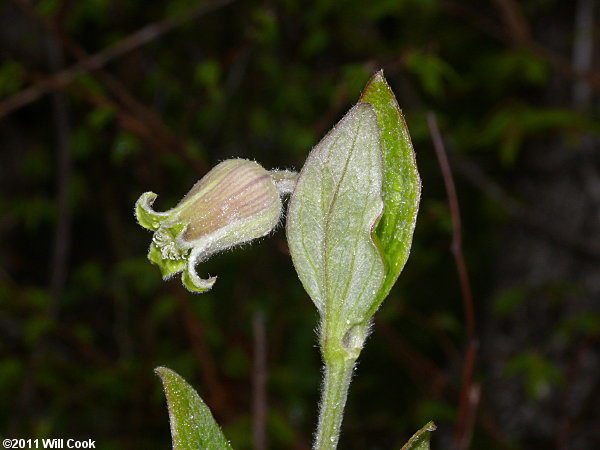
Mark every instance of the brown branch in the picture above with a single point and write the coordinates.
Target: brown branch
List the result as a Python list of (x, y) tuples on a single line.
[(543, 226), (113, 84), (563, 435), (514, 20), (473, 398), (259, 382), (456, 244), (141, 129), (141, 37), (583, 50), (465, 410), (134, 124), (421, 367)]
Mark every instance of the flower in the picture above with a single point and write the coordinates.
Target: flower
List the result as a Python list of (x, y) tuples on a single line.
[(237, 201)]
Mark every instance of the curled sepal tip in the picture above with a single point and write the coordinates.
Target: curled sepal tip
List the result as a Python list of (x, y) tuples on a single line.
[(194, 283), (237, 201), (146, 216)]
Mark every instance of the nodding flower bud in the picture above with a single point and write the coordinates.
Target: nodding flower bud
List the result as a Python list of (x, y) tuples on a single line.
[(237, 201)]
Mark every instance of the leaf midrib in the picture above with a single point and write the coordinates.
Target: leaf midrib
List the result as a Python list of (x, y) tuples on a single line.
[(324, 250)]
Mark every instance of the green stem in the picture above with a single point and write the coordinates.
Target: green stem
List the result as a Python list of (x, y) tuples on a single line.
[(336, 381)]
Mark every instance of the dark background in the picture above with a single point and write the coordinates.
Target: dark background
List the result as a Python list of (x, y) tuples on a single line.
[(84, 317)]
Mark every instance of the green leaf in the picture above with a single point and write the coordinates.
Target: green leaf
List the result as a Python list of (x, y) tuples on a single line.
[(432, 72), (332, 212), (192, 424), (401, 182), (420, 440)]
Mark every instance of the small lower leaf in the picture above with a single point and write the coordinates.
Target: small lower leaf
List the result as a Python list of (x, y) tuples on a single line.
[(192, 424), (420, 440)]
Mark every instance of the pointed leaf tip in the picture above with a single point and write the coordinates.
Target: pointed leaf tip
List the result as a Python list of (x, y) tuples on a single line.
[(420, 440), (401, 182), (192, 424)]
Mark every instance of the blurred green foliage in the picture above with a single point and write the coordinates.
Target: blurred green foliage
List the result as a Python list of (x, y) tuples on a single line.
[(540, 375), (265, 81)]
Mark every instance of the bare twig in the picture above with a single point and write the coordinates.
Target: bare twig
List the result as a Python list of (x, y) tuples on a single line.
[(473, 397), (29, 390), (513, 18), (426, 370), (143, 130), (114, 85), (543, 226), (259, 383), (141, 37), (465, 410), (580, 245), (563, 435), (60, 251), (456, 245), (583, 51)]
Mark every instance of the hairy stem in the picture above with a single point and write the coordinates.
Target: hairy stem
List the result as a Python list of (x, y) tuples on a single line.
[(336, 381)]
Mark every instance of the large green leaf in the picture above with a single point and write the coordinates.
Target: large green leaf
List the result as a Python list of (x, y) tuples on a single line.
[(401, 182), (192, 424), (332, 212), (420, 440)]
